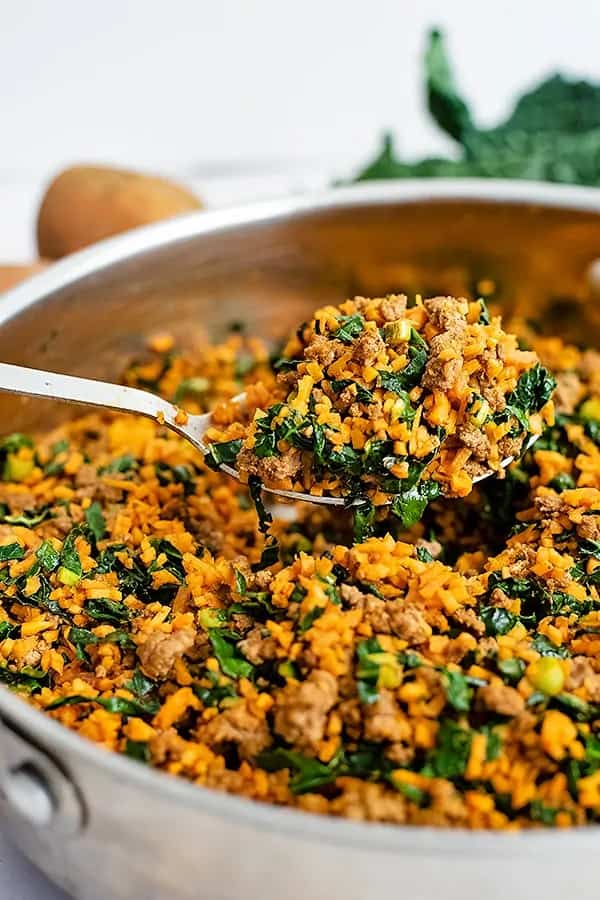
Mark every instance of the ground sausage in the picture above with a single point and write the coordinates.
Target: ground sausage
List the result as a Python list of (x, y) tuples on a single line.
[(384, 721), (408, 623), (502, 699), (159, 651), (257, 648), (568, 393), (393, 307), (367, 348), (301, 710), (237, 725), (323, 350), (270, 468)]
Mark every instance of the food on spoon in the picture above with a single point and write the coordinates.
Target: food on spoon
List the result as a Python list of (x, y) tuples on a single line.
[(85, 204), (380, 402)]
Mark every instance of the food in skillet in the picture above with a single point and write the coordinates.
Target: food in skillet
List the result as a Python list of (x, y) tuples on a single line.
[(380, 403), (443, 675)]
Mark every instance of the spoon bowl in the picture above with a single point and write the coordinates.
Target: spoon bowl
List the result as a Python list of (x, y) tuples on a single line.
[(89, 392)]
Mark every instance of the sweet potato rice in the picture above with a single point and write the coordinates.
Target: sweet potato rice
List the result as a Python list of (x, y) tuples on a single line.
[(443, 674), (379, 403)]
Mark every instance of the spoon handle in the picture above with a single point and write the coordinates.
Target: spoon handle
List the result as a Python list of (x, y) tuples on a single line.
[(50, 385)]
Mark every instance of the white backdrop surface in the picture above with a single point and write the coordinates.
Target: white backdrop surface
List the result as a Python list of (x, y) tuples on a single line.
[(246, 98)]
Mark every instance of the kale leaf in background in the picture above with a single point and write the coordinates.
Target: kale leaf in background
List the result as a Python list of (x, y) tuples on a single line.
[(553, 133)]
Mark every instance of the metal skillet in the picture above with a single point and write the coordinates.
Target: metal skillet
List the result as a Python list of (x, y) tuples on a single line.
[(103, 826)]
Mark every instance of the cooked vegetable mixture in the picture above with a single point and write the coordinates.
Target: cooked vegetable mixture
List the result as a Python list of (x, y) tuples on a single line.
[(380, 403), (443, 674)]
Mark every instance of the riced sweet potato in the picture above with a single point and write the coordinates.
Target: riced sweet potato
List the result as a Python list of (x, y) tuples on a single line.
[(85, 204)]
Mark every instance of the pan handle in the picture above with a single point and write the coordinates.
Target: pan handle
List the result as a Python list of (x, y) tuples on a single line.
[(34, 787)]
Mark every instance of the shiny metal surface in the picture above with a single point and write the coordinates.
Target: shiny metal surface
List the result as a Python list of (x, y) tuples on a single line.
[(147, 836)]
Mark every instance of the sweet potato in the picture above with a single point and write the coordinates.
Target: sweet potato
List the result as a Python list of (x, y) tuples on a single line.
[(87, 203), (11, 275)]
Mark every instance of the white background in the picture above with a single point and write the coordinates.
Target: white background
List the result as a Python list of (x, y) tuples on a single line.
[(247, 98)]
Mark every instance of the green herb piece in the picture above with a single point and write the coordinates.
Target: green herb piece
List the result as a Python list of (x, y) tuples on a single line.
[(120, 465), (109, 611), (48, 556), (11, 551), (191, 387), (213, 695), (138, 750), (120, 705), (139, 684), (307, 773), (539, 812), (224, 453), (450, 756), (577, 708), (424, 555), (28, 519), (410, 504), (545, 647), (512, 669), (12, 443), (350, 328), (69, 557), (95, 520), (8, 630), (309, 619), (562, 482), (497, 620), (231, 661), (368, 655), (26, 680), (413, 793), (458, 692), (174, 559), (264, 518), (363, 513), (268, 557), (241, 585), (493, 743), (363, 394)]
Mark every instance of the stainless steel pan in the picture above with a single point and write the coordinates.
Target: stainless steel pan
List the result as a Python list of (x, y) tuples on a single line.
[(105, 827)]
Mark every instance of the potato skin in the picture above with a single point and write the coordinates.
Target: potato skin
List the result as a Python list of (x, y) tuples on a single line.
[(11, 275), (84, 204)]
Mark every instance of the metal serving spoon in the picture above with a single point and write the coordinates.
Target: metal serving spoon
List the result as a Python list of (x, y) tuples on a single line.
[(88, 392)]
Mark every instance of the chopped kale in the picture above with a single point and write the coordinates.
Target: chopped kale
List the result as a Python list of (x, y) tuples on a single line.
[(120, 465), (307, 774), (363, 394), (138, 750), (264, 518), (458, 691), (363, 513), (229, 658), (95, 520), (350, 328), (11, 551), (497, 620), (545, 647), (48, 557), (450, 756), (410, 504), (109, 611), (309, 619), (224, 453)]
